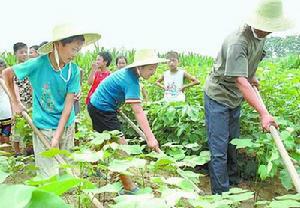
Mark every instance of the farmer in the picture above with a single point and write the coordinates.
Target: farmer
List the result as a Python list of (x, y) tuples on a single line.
[(229, 82), (24, 94), (173, 80), (121, 62), (55, 80), (124, 86), (99, 72)]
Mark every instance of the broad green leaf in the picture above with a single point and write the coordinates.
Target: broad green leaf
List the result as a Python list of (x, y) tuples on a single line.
[(139, 201), (176, 153), (3, 153), (88, 156), (182, 183), (172, 196), (285, 179), (284, 203), (240, 197), (121, 166), (242, 143), (191, 145), (274, 156), (236, 191), (64, 184), (3, 176), (188, 174), (111, 188), (164, 161), (262, 171), (289, 196), (15, 196), (46, 200), (100, 138), (55, 151), (131, 149), (194, 160)]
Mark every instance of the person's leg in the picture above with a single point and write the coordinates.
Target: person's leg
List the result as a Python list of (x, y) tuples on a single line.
[(101, 122), (127, 183), (217, 121), (5, 132), (234, 132), (47, 167)]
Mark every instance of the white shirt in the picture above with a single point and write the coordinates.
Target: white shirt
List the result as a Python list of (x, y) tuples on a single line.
[(173, 83), (5, 108)]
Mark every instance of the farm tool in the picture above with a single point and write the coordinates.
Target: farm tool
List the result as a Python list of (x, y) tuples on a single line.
[(283, 153)]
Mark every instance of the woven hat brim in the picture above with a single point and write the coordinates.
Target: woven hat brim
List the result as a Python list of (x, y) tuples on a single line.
[(147, 62), (89, 38)]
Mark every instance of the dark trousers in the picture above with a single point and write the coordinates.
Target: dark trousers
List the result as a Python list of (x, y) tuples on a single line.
[(222, 125)]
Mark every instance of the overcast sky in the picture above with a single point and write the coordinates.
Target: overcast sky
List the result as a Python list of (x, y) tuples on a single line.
[(183, 25)]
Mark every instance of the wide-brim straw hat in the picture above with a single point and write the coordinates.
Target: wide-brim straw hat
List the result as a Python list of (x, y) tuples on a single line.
[(146, 57), (269, 17), (67, 30)]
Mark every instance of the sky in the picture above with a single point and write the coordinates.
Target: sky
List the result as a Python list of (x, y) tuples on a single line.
[(183, 25)]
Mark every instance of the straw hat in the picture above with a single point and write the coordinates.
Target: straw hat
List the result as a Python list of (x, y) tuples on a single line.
[(68, 30), (269, 17), (146, 57)]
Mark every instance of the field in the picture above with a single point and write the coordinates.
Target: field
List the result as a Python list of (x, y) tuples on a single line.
[(177, 178)]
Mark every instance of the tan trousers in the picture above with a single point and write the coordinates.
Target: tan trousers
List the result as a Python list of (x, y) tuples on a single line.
[(48, 167)]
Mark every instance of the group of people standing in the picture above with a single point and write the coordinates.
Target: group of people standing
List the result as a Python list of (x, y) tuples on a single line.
[(55, 82)]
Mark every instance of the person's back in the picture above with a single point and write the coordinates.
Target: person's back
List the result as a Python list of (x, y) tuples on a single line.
[(111, 93)]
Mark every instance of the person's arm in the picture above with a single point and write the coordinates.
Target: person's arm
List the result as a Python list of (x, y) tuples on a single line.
[(193, 81), (63, 120), (8, 75), (251, 97), (144, 124), (159, 82), (92, 73)]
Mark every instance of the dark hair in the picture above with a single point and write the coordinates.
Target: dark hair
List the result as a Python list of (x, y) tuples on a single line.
[(35, 47), (18, 46), (43, 43), (172, 54), (2, 63), (106, 56), (121, 57), (71, 39)]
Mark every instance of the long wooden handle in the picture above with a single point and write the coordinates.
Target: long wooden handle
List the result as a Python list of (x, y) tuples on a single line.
[(46, 143), (283, 153), (137, 129)]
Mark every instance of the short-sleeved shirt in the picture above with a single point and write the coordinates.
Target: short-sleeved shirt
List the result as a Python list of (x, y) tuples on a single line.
[(49, 89), (5, 108), (99, 77), (173, 83), (121, 86), (239, 57)]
